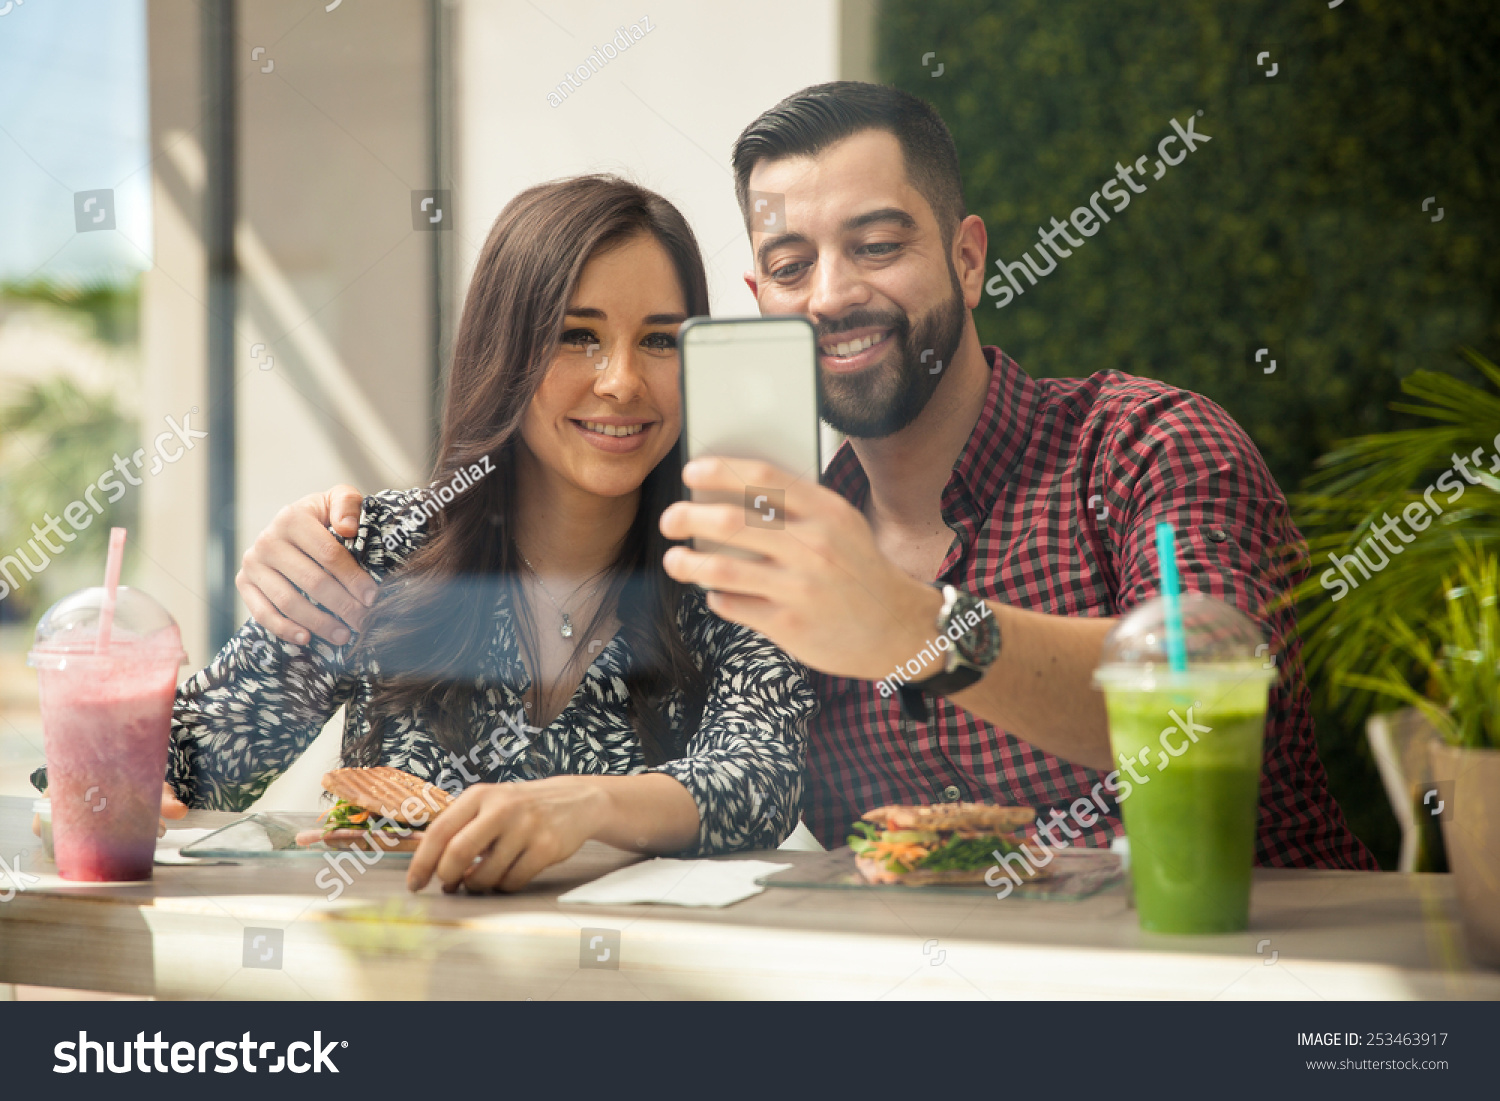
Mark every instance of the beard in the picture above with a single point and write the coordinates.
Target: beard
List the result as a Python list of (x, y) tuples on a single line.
[(887, 396)]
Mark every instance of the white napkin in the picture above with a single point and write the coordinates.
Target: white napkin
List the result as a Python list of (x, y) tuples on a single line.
[(169, 846), (676, 883)]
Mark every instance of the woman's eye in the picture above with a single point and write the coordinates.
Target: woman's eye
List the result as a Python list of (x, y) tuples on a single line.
[(661, 342), (579, 337)]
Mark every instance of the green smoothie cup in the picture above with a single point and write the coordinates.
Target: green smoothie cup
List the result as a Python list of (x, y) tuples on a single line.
[(1187, 745)]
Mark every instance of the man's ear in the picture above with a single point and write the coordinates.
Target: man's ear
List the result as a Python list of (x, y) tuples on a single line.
[(753, 285), (970, 243)]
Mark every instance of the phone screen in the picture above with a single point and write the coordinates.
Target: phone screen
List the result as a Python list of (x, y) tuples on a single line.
[(750, 391)]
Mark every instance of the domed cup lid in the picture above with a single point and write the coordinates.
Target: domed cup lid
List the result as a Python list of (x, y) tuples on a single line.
[(69, 630), (1221, 641)]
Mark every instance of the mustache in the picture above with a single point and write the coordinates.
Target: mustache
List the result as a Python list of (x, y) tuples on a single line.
[(865, 319)]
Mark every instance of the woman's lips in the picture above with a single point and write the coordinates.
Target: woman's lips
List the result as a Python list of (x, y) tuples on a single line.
[(857, 361), (615, 445)]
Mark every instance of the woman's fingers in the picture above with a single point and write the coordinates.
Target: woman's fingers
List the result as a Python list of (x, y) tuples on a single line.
[(171, 806), (504, 847), (435, 838)]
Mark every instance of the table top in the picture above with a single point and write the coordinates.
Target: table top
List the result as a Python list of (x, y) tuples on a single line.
[(192, 932)]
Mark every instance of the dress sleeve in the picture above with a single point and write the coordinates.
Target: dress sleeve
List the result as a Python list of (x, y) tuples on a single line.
[(243, 721), (744, 765)]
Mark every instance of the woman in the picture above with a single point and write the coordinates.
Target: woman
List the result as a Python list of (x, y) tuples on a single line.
[(524, 628)]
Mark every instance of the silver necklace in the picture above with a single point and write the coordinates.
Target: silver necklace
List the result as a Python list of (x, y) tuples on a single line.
[(566, 630)]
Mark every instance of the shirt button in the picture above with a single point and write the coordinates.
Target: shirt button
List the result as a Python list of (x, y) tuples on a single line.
[(1218, 535), (952, 794)]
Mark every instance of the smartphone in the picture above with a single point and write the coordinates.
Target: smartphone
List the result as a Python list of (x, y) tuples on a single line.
[(750, 391)]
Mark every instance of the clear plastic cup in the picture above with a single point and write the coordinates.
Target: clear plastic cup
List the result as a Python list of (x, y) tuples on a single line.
[(106, 722), (1188, 748)]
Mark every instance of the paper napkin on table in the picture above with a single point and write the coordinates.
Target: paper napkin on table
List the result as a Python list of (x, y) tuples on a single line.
[(169, 846), (676, 883)]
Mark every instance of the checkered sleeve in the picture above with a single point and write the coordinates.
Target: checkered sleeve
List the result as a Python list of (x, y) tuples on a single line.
[(1177, 456)]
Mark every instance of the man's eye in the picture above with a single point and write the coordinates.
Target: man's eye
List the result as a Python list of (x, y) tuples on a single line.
[(788, 271), (882, 248)]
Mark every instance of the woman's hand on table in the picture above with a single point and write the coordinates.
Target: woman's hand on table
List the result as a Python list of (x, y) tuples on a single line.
[(515, 830), (171, 807)]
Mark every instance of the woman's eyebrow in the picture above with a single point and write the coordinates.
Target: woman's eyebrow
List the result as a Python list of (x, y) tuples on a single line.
[(650, 319)]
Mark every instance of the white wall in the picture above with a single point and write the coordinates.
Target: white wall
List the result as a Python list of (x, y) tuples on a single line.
[(665, 113)]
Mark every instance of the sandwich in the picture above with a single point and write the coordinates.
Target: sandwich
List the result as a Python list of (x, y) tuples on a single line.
[(943, 843), (380, 808)]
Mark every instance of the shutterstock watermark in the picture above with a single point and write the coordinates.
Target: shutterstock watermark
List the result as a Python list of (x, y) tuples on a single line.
[(1415, 514), (168, 447), (1088, 809), (599, 57), (1088, 220)]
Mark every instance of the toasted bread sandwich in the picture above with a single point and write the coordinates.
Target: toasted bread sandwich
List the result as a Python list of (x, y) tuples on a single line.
[(382, 800), (944, 843)]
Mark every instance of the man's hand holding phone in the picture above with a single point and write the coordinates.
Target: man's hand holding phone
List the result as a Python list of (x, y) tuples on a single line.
[(822, 590)]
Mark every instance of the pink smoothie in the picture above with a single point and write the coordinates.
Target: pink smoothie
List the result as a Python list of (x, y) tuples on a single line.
[(105, 723)]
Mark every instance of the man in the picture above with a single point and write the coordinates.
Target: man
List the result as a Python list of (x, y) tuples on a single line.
[(968, 492)]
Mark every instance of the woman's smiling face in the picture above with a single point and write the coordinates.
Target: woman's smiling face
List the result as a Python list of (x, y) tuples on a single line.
[(609, 408)]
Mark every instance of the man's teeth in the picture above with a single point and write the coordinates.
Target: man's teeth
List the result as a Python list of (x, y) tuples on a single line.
[(852, 347), (614, 429)]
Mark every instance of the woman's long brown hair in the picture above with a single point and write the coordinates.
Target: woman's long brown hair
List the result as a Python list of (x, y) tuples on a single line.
[(440, 606)]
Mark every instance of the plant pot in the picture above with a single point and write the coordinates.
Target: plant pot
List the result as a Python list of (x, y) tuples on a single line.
[(1471, 834)]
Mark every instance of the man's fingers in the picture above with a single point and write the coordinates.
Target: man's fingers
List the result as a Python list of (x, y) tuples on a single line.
[(292, 605), (801, 488), (725, 574), (265, 613), (721, 524), (325, 563), (344, 504)]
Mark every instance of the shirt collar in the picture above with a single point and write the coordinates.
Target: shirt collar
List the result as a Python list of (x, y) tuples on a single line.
[(994, 447)]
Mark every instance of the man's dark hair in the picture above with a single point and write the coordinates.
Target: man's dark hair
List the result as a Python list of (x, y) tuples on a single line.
[(809, 121)]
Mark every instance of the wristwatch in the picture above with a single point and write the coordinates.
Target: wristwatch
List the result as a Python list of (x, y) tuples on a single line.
[(974, 644)]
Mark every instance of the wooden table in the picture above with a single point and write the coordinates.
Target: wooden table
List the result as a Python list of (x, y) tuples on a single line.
[(188, 933)]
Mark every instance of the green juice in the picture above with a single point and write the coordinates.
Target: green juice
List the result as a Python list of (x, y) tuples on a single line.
[(1190, 810)]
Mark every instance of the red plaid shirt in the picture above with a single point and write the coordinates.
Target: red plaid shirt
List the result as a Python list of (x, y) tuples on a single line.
[(1047, 459)]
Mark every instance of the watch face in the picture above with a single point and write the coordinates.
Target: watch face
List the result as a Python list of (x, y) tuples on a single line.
[(979, 642)]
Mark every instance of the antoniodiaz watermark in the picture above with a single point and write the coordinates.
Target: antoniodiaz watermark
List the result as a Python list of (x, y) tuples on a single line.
[(600, 56), (912, 670)]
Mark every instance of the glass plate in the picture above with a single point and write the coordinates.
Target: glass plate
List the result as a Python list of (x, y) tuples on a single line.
[(1078, 874), (270, 834)]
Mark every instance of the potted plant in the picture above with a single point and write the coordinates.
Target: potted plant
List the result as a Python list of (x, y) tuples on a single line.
[(1458, 657)]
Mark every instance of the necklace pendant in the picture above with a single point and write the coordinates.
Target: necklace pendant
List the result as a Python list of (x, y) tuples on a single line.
[(567, 626)]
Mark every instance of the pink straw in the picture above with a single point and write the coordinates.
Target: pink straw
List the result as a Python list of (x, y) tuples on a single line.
[(111, 585)]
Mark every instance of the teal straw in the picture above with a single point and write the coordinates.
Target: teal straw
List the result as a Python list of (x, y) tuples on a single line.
[(1166, 555)]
